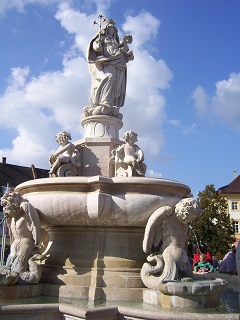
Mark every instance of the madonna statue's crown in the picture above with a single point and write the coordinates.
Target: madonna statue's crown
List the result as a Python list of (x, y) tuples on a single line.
[(110, 22)]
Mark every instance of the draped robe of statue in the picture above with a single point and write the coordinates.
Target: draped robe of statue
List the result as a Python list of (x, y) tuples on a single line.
[(108, 70)]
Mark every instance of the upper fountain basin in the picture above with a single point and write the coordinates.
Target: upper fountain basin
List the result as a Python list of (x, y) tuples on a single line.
[(100, 200)]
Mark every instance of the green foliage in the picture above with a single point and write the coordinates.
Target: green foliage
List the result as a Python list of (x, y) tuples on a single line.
[(214, 229)]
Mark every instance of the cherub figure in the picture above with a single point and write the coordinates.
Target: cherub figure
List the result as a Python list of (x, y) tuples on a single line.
[(66, 153), (166, 236), (127, 38), (129, 154), (26, 233)]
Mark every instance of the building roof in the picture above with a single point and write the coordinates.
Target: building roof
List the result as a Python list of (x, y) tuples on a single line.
[(232, 187), (12, 175)]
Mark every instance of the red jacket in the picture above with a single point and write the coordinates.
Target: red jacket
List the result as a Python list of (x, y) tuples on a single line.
[(196, 258)]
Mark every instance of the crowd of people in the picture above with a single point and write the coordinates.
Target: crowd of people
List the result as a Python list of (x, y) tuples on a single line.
[(203, 262)]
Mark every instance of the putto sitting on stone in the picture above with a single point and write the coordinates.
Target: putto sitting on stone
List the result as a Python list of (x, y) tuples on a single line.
[(66, 160), (129, 158)]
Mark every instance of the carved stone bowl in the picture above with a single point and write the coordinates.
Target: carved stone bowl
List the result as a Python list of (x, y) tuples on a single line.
[(101, 201), (196, 294), (96, 227)]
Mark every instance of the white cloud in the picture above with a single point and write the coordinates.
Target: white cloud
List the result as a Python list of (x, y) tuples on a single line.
[(153, 174), (224, 105), (77, 23), (147, 80), (38, 106), (143, 27), (186, 130), (19, 5), (201, 100), (27, 151), (18, 79)]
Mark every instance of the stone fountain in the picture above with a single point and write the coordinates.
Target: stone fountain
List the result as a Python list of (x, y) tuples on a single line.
[(102, 218)]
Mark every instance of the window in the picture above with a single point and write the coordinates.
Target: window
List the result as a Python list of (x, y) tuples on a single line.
[(236, 228), (234, 205)]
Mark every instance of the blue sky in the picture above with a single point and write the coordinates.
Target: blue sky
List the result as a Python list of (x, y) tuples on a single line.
[(183, 91)]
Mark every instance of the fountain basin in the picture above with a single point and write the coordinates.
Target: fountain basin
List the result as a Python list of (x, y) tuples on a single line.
[(100, 200), (196, 294), (96, 228)]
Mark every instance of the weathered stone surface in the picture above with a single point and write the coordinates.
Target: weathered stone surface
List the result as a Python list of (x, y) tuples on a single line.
[(198, 294), (65, 161), (64, 201), (207, 286), (20, 291), (168, 230), (22, 262), (128, 157), (107, 59)]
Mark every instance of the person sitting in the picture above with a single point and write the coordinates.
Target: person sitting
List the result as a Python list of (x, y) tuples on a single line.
[(203, 265), (228, 264), (196, 256)]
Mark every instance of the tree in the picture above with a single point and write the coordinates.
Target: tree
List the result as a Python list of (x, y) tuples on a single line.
[(213, 229)]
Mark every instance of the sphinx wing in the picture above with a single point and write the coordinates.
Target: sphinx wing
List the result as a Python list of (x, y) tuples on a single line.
[(154, 228), (34, 221)]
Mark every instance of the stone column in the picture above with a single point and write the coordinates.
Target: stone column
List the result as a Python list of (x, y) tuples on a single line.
[(101, 136), (96, 263)]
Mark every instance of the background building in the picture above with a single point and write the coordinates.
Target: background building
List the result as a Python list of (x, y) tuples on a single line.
[(232, 193)]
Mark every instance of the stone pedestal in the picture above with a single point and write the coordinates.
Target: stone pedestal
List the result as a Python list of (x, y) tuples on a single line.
[(95, 155), (101, 126), (96, 263), (101, 136)]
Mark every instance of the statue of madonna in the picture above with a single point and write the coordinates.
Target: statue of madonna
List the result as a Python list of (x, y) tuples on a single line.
[(107, 59)]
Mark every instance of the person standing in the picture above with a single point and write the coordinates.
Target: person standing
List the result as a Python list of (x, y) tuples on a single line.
[(215, 263)]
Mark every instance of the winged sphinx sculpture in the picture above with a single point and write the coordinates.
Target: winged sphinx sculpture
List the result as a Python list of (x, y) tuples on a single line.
[(166, 237), (21, 265)]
